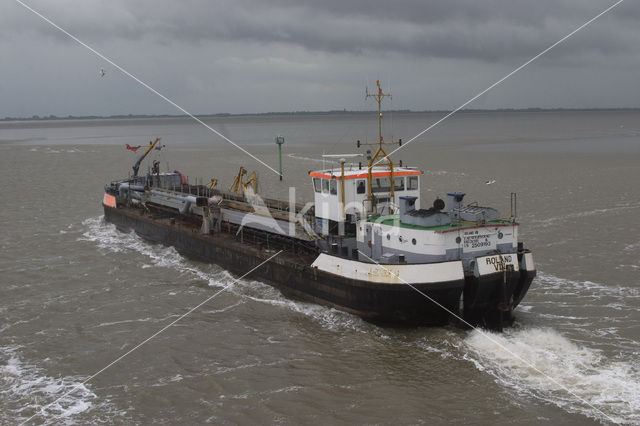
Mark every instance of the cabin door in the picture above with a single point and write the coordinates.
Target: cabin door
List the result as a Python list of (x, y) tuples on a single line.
[(377, 243)]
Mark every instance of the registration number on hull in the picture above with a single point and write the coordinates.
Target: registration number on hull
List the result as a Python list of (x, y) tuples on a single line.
[(473, 240)]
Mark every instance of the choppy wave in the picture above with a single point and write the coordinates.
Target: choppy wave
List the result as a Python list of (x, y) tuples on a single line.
[(587, 288), (632, 247), (587, 213), (603, 314), (601, 388), (26, 390)]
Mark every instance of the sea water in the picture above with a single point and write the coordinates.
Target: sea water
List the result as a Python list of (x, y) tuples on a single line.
[(76, 294)]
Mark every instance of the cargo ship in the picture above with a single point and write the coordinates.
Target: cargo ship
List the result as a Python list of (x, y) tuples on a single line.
[(365, 245)]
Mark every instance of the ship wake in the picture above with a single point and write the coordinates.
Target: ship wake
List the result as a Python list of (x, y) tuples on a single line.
[(544, 364), (601, 388), (107, 237)]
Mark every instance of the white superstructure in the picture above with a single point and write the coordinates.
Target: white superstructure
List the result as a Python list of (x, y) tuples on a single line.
[(331, 204)]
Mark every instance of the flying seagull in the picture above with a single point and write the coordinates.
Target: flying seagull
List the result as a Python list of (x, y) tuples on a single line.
[(490, 182), (102, 73)]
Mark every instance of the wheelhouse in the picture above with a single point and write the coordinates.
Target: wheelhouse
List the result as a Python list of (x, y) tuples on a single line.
[(344, 196)]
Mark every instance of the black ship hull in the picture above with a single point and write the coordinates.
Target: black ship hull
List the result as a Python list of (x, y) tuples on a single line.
[(389, 303), (293, 275)]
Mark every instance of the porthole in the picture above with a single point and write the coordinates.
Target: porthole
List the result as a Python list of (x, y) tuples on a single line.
[(458, 239), (388, 237), (500, 235), (413, 241)]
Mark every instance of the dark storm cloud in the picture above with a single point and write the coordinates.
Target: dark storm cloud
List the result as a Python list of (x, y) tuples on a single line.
[(283, 55), (491, 30)]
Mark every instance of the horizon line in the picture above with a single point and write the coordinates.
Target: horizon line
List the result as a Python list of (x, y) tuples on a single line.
[(306, 112)]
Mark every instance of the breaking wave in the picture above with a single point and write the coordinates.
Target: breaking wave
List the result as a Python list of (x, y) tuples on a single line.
[(586, 288), (544, 364), (107, 237), (26, 390)]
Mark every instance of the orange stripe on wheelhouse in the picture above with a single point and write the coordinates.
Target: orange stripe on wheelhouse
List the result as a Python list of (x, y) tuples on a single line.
[(365, 174)]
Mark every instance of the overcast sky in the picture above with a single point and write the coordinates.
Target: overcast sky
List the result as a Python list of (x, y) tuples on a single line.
[(213, 56)]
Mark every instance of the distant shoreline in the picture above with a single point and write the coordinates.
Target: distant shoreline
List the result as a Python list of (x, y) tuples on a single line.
[(308, 113)]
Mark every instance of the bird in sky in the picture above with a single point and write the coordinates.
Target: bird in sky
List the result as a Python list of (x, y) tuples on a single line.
[(102, 72), (490, 182)]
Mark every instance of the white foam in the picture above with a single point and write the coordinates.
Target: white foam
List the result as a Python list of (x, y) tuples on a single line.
[(597, 384), (632, 247), (328, 318), (628, 266), (586, 288), (26, 390), (108, 324), (106, 236), (166, 381)]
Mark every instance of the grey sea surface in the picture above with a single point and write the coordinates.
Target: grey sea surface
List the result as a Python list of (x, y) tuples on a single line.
[(76, 294)]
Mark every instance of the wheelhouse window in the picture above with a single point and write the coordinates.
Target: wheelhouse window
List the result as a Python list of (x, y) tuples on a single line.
[(413, 183), (317, 186), (333, 187), (361, 186), (381, 184), (398, 184), (325, 186)]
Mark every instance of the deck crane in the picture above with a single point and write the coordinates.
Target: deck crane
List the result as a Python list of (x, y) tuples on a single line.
[(136, 166)]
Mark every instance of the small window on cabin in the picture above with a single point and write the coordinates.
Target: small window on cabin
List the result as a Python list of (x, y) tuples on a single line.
[(361, 187), (398, 184), (334, 187), (325, 186), (413, 183), (317, 185), (381, 184)]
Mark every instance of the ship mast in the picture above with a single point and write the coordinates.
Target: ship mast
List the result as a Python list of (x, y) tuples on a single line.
[(380, 153)]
